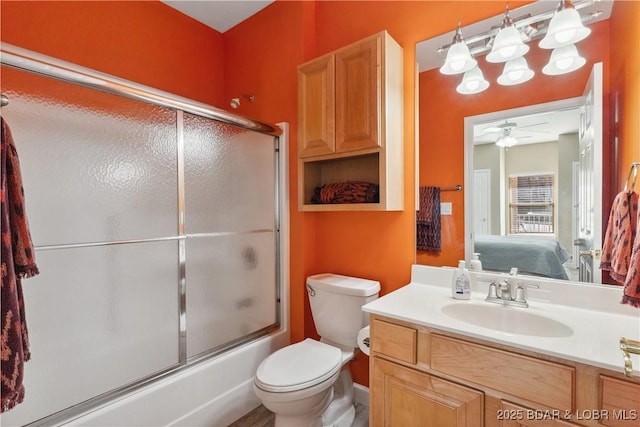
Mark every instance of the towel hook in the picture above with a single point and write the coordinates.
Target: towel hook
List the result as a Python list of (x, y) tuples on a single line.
[(4, 100), (634, 170)]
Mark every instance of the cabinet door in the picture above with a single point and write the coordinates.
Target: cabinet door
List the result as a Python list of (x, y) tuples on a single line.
[(316, 107), (403, 397), (358, 93), (518, 416)]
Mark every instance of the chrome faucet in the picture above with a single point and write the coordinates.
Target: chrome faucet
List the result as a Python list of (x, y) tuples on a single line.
[(500, 293)]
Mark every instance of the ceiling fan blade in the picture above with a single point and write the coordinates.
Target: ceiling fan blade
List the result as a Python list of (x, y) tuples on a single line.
[(533, 124), (532, 131)]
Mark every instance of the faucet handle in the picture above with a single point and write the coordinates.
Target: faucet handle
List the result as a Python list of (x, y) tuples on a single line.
[(493, 293), (520, 296)]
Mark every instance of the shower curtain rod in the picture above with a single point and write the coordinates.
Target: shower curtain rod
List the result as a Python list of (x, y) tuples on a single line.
[(34, 62)]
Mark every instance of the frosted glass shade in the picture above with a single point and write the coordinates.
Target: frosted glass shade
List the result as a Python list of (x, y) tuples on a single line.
[(507, 45), (459, 60), (565, 28), (515, 72), (472, 82), (563, 60), (506, 141)]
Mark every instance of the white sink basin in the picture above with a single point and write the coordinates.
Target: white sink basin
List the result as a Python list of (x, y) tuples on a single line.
[(510, 320)]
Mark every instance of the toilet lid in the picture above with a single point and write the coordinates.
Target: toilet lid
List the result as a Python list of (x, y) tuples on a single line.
[(298, 366)]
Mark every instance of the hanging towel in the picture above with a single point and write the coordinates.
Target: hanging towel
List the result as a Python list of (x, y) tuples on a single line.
[(428, 231), (631, 293), (17, 262), (620, 236)]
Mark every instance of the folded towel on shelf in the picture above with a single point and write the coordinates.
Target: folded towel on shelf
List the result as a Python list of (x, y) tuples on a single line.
[(18, 262), (620, 235), (631, 294), (347, 192), (428, 231)]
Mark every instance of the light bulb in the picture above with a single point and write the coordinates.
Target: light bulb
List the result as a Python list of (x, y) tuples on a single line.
[(563, 37), (507, 51), (515, 75), (564, 63), (457, 65), (472, 85)]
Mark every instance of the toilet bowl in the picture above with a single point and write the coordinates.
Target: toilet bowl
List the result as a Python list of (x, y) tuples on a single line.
[(297, 382), (308, 384)]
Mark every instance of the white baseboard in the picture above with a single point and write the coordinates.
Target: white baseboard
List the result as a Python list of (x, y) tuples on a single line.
[(360, 394)]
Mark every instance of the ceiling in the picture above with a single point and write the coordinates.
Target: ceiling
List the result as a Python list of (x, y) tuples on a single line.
[(530, 129), (220, 15)]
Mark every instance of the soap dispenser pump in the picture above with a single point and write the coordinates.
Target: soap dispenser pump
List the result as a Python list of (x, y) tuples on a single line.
[(461, 285)]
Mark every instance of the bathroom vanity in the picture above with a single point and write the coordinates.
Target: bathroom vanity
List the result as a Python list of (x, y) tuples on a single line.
[(436, 361)]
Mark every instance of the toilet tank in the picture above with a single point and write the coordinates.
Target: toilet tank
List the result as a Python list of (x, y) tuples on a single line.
[(336, 304)]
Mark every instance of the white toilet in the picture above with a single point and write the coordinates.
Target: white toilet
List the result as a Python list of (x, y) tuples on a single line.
[(305, 384)]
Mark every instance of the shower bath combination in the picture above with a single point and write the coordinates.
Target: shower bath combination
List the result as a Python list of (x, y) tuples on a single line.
[(139, 220)]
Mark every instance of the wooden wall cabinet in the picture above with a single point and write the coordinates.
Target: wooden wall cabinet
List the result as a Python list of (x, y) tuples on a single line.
[(421, 376), (350, 122)]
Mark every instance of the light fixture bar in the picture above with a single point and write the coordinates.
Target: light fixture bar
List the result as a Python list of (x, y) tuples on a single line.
[(520, 22)]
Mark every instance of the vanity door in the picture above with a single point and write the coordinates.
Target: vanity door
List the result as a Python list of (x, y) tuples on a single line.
[(403, 397)]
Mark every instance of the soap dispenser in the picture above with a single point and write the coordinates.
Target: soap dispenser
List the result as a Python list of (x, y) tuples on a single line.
[(475, 264), (461, 285)]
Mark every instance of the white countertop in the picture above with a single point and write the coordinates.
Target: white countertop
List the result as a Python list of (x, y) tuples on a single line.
[(598, 320)]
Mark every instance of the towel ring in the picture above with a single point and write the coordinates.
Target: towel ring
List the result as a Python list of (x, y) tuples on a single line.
[(634, 170)]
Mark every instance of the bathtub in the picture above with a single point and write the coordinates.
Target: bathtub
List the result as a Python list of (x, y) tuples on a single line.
[(214, 392)]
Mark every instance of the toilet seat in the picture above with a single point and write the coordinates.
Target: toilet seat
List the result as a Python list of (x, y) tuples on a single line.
[(298, 366)]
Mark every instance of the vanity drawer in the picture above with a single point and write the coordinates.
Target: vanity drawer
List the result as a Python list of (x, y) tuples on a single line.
[(397, 341), (621, 401), (535, 380)]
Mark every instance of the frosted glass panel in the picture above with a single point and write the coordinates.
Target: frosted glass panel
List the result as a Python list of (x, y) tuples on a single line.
[(96, 167), (229, 177), (231, 288), (98, 318)]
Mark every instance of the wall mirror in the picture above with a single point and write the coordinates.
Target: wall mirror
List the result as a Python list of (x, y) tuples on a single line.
[(537, 203)]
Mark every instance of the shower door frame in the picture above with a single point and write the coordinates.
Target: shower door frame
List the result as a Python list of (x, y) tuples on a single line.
[(33, 62)]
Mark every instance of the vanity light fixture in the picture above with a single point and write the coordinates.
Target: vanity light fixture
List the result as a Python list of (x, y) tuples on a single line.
[(565, 28), (561, 27), (515, 72), (508, 43), (506, 140), (459, 59), (472, 82), (563, 60)]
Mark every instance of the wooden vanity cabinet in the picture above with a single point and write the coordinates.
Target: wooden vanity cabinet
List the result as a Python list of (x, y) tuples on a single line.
[(409, 398), (421, 376), (350, 122)]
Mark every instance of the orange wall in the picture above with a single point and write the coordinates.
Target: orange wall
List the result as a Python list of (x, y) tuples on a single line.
[(625, 87), (150, 43), (442, 113), (146, 42), (376, 245)]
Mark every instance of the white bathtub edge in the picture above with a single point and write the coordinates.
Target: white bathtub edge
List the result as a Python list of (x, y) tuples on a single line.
[(213, 393)]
